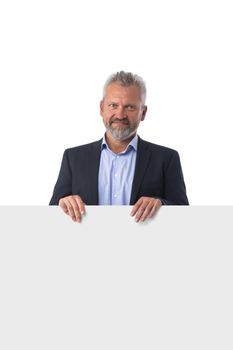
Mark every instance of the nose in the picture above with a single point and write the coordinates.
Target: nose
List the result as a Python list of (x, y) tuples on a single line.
[(120, 113)]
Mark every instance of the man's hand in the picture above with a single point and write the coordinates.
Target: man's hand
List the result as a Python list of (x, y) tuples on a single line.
[(73, 206), (145, 207)]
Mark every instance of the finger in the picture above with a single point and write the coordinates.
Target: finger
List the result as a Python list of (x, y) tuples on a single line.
[(63, 206), (81, 204), (74, 209), (140, 212), (150, 210), (70, 209), (146, 212), (136, 207), (67, 204), (155, 208)]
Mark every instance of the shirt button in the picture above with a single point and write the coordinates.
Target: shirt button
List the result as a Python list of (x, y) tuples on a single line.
[(115, 175), (115, 195)]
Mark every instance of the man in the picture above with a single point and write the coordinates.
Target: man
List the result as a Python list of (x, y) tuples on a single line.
[(121, 168)]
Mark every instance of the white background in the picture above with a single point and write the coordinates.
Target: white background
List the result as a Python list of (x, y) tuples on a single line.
[(55, 57)]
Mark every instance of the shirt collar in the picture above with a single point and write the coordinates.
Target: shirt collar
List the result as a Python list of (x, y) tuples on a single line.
[(132, 145)]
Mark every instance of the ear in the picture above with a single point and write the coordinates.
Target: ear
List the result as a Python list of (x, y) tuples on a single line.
[(101, 107), (144, 113)]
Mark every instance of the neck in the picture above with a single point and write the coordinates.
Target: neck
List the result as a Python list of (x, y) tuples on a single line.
[(117, 146)]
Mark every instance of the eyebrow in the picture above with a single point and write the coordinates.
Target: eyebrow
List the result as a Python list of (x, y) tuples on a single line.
[(126, 105)]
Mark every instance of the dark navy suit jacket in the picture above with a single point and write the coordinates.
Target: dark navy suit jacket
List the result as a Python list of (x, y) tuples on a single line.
[(158, 174)]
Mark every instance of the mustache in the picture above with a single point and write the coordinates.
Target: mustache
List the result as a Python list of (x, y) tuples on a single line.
[(123, 120)]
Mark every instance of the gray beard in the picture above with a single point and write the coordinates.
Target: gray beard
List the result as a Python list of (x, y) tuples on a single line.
[(120, 134)]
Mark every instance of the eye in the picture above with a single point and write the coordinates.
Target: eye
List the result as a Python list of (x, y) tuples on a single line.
[(112, 105), (130, 108)]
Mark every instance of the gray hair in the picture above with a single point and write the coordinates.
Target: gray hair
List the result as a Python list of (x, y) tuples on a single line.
[(126, 79)]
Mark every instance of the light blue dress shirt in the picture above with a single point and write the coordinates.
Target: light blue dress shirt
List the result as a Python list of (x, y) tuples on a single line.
[(116, 174)]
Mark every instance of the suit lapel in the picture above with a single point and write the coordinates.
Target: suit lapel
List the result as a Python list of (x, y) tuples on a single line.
[(143, 157), (94, 161)]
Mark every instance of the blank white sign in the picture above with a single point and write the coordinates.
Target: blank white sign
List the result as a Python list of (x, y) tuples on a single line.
[(110, 283)]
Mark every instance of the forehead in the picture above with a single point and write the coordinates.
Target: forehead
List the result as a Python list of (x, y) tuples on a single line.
[(116, 91)]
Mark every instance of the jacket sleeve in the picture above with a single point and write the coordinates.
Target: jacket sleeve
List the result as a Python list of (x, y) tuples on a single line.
[(174, 185), (63, 185)]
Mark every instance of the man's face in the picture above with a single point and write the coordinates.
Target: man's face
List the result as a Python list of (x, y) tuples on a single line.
[(122, 110)]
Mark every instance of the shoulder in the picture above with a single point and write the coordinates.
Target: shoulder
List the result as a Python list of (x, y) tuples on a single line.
[(155, 148), (83, 149)]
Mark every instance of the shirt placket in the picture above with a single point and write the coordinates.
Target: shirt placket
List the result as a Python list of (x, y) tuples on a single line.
[(116, 181)]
